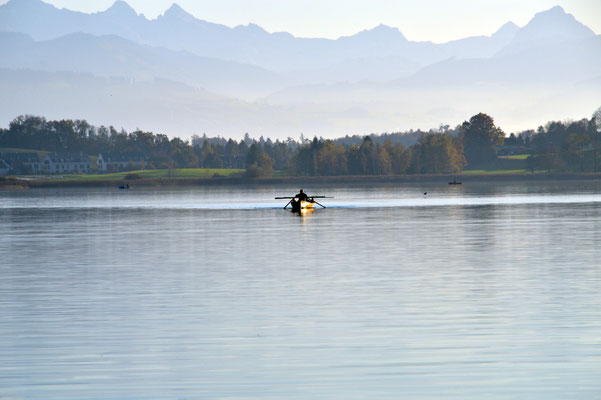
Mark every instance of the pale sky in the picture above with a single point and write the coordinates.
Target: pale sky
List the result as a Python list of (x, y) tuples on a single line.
[(419, 20)]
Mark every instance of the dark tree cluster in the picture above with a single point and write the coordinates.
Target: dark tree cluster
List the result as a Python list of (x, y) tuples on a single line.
[(36, 133), (480, 137), (571, 146)]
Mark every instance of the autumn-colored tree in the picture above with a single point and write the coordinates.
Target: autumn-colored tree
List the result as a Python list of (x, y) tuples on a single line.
[(331, 159), (437, 153)]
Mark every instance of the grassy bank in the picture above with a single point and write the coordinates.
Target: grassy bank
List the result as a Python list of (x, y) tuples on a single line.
[(8, 183), (184, 173), (188, 176), (516, 164), (497, 172), (205, 177)]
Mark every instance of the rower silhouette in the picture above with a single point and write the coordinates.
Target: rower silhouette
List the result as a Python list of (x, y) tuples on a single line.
[(301, 195)]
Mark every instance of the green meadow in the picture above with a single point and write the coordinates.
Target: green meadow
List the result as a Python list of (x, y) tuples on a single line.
[(503, 165), (183, 173), (495, 172), (516, 157)]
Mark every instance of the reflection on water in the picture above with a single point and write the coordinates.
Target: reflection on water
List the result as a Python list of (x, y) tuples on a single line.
[(474, 291), (227, 198)]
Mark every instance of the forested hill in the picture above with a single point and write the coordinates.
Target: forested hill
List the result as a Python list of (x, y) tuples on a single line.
[(476, 144)]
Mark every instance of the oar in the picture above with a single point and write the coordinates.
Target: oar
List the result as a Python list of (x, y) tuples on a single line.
[(287, 197), (313, 197), (319, 204)]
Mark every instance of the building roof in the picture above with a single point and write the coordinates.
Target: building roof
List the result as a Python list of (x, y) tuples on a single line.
[(68, 158), (21, 157)]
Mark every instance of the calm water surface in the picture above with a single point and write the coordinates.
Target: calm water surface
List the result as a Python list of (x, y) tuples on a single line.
[(478, 291)]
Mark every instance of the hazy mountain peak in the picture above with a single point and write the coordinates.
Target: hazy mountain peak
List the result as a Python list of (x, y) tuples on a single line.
[(554, 14), (381, 32), (558, 10), (385, 29), (121, 8), (554, 22), (175, 11), (251, 28), (508, 30)]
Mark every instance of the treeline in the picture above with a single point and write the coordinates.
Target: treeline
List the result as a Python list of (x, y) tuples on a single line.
[(37, 133), (434, 153), (259, 156), (568, 146), (477, 143)]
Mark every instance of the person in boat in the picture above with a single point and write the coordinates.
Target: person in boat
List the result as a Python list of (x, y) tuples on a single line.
[(301, 196)]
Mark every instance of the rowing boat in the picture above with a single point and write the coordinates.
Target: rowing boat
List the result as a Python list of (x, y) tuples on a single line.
[(302, 202), (299, 205)]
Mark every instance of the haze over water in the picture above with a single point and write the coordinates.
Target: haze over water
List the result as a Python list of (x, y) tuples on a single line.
[(469, 292)]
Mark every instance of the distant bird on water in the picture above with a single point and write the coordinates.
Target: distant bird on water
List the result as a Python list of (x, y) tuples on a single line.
[(425, 193)]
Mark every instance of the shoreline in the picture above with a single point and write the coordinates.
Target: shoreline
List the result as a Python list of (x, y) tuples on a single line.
[(299, 180)]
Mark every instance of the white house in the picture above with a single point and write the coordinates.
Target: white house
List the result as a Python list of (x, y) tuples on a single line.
[(58, 163), (22, 162)]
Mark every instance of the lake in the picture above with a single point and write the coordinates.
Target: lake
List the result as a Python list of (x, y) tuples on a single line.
[(474, 291)]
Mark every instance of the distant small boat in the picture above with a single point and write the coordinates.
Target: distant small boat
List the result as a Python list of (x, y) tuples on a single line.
[(300, 205), (302, 202), (454, 182), (126, 187)]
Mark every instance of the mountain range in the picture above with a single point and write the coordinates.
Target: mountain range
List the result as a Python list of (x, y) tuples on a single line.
[(279, 85)]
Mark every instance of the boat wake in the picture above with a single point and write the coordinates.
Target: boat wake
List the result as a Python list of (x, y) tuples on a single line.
[(339, 204)]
